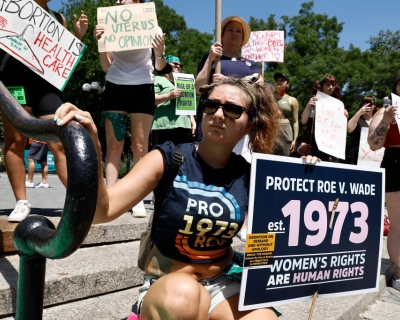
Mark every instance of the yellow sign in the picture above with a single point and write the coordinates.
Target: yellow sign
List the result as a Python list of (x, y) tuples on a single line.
[(260, 242)]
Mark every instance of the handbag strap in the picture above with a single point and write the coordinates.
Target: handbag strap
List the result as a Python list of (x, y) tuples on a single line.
[(165, 183)]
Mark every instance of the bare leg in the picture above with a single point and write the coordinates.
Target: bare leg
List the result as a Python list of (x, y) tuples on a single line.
[(140, 130), (45, 171), (176, 296), (393, 240), (113, 156), (14, 146), (31, 169)]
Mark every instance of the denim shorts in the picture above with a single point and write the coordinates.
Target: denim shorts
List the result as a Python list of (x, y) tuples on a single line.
[(219, 287)]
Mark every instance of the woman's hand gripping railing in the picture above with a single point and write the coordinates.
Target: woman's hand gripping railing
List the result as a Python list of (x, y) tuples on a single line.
[(36, 238)]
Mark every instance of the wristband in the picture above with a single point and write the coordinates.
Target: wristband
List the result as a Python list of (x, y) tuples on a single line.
[(162, 56), (384, 123)]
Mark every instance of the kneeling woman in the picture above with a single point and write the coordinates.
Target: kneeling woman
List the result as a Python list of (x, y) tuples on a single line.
[(204, 208)]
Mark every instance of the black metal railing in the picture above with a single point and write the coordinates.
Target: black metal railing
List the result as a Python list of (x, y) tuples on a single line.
[(35, 237)]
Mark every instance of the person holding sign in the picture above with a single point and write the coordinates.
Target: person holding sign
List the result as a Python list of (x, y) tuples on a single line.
[(289, 107), (384, 132), (167, 126), (362, 119), (204, 208), (328, 85), (235, 33), (129, 90), (41, 99)]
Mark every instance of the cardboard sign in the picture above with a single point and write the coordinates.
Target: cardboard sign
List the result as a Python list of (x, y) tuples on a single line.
[(186, 103), (330, 125), (31, 35), (367, 157), (265, 46), (127, 27), (297, 243)]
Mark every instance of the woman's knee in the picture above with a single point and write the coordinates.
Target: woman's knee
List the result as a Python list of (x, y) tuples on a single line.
[(179, 296)]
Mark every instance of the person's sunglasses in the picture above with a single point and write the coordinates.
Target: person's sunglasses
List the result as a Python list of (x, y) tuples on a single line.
[(231, 111)]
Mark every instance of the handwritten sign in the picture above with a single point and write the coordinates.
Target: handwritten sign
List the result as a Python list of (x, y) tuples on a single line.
[(186, 103), (330, 125), (265, 46), (31, 35), (297, 243), (367, 157), (127, 27)]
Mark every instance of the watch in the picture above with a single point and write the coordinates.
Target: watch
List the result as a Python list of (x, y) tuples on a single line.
[(162, 56)]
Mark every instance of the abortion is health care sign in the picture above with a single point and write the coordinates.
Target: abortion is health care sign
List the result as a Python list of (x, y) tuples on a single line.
[(34, 37), (127, 27), (294, 247), (186, 103), (268, 46)]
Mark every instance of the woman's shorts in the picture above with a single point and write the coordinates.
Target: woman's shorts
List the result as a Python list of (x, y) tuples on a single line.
[(219, 287), (391, 164), (38, 152), (130, 98)]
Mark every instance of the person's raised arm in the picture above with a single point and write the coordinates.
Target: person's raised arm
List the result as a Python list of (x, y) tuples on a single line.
[(105, 58), (130, 190), (307, 110), (80, 25), (352, 124), (203, 77), (159, 52), (379, 127), (295, 118)]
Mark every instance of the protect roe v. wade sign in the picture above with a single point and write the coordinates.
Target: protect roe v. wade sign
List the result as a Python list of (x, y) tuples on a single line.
[(34, 37), (291, 250), (127, 27)]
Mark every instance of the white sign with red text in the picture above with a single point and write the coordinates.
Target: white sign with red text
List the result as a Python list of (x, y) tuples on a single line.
[(367, 157), (266, 46), (330, 126), (31, 35)]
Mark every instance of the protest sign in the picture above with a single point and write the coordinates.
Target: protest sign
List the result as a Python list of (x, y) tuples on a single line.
[(298, 243), (265, 46), (367, 157), (186, 103), (31, 35), (396, 102), (330, 125), (127, 27)]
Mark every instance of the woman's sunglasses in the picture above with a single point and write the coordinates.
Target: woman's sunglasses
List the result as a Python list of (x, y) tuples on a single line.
[(231, 111)]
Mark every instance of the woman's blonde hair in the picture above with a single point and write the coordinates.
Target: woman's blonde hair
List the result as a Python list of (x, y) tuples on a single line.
[(264, 114)]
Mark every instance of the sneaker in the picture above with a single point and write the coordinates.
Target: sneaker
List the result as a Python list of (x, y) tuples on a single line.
[(396, 284), (29, 184), (21, 211), (139, 211), (42, 185)]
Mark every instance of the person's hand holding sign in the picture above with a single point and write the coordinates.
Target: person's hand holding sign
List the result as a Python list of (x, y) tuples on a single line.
[(80, 25), (98, 31), (176, 93)]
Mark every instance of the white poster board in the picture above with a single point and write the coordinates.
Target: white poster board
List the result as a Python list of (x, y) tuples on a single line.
[(31, 35), (186, 103), (396, 102), (330, 126), (127, 27), (367, 157), (266, 46)]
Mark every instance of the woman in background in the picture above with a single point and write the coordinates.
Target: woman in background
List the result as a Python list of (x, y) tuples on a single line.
[(384, 132), (362, 119)]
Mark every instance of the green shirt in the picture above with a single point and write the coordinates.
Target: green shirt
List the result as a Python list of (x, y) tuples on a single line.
[(164, 116)]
